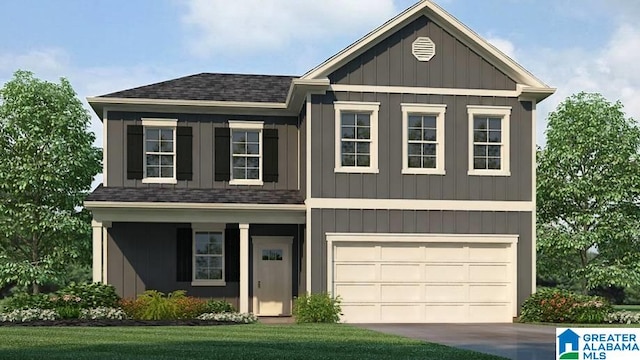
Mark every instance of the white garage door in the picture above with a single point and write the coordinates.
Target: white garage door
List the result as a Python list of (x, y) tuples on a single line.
[(423, 279)]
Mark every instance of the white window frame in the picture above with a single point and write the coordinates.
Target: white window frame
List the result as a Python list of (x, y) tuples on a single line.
[(200, 228), (372, 108), (159, 124), (437, 110), (247, 126), (503, 112)]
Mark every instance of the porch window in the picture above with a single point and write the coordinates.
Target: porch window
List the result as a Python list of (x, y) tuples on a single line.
[(208, 257)]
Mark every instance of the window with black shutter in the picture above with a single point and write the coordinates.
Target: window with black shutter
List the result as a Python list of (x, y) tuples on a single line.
[(184, 255), (184, 145), (135, 141)]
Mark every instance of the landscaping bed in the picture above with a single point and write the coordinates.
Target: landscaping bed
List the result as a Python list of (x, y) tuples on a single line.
[(114, 322)]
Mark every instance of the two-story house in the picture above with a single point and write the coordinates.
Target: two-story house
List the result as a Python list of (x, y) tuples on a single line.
[(399, 174)]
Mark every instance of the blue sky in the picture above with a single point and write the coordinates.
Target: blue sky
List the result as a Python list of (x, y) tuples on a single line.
[(107, 45)]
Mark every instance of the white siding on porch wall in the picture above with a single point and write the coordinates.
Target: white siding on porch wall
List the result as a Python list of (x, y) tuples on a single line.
[(423, 278)]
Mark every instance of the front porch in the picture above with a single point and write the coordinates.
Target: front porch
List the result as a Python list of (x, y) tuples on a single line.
[(251, 255)]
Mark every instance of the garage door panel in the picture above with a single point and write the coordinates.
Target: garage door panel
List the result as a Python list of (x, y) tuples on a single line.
[(446, 293), (401, 272), (489, 313), (401, 313), (358, 292), (355, 272), (446, 313), (446, 252), (409, 252), (489, 273), (401, 293), (355, 253), (360, 313), (445, 273), (488, 252), (416, 282), (489, 293)]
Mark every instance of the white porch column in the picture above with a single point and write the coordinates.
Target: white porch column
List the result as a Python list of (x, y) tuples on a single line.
[(244, 268), (97, 250)]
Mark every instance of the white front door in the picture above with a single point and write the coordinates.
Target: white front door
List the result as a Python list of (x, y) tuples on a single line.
[(272, 291)]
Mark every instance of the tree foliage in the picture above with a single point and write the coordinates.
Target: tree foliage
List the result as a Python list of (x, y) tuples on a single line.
[(48, 164), (588, 187)]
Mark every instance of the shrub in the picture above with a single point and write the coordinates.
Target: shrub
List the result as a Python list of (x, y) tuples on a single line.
[(25, 315), (230, 317), (133, 308), (91, 295), (563, 306), (102, 313), (219, 306), (68, 312), (317, 308), (623, 317), (23, 301), (189, 307)]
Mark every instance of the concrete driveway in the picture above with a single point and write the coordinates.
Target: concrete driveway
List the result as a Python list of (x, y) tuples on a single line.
[(513, 341)]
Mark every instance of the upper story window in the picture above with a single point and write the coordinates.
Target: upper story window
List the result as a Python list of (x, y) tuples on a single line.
[(356, 136), (423, 139), (208, 257), (246, 152), (489, 140), (159, 151)]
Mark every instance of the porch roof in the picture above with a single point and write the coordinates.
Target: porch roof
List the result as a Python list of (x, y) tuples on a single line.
[(195, 196)]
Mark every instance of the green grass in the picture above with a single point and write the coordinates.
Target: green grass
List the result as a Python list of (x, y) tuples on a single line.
[(635, 308), (309, 342)]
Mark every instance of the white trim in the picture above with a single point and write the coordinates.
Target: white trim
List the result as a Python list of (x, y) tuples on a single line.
[(409, 204), (424, 109), (253, 182), (445, 20), (244, 268), (105, 130), (96, 227), (213, 228), (427, 90), (511, 239), (105, 253), (159, 180), (505, 159), (533, 195), (307, 233), (246, 125), (159, 122), (202, 103), (357, 106)]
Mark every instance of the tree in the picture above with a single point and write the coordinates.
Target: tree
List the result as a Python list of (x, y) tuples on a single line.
[(588, 190), (47, 165)]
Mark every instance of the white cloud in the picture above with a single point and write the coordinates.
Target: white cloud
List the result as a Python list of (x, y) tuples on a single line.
[(503, 45), (251, 26)]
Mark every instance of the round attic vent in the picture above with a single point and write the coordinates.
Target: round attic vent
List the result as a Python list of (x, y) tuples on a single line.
[(424, 49)]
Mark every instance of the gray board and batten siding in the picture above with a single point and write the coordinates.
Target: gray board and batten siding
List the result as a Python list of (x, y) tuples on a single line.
[(391, 63), (143, 256), (390, 183), (421, 222), (203, 130)]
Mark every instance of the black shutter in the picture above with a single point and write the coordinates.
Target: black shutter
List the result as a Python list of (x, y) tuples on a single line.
[(223, 154), (232, 255), (270, 157), (184, 153), (135, 155), (184, 256)]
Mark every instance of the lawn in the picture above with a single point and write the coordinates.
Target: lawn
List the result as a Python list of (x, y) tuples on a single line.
[(634, 308), (309, 342)]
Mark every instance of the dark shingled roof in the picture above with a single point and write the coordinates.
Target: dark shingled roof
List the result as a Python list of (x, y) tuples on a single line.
[(200, 196), (214, 87)]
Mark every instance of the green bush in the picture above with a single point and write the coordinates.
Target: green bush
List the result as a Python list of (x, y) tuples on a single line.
[(68, 312), (563, 306), (317, 308), (91, 295), (23, 301), (219, 306)]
